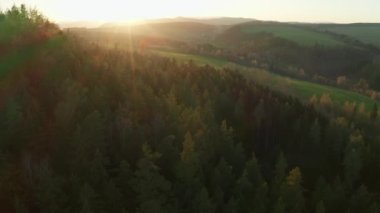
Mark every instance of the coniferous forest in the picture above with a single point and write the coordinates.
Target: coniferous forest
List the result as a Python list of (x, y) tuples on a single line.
[(85, 128)]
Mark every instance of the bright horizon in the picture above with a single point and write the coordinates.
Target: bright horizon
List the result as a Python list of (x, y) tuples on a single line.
[(338, 11)]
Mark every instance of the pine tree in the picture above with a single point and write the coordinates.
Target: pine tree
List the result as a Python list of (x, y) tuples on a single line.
[(293, 196), (361, 200), (320, 208), (97, 175), (244, 192), (152, 190), (223, 178), (232, 206), (337, 199), (113, 197), (253, 172), (374, 112), (19, 207), (88, 199), (278, 177), (353, 158), (202, 202), (188, 147), (280, 170), (374, 208), (321, 192), (123, 184), (251, 188), (48, 189), (315, 133), (279, 206)]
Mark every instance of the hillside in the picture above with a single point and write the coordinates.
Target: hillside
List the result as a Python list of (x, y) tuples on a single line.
[(292, 49), (293, 32), (208, 21), (95, 125), (297, 50), (303, 90), (180, 31), (366, 33), (288, 48)]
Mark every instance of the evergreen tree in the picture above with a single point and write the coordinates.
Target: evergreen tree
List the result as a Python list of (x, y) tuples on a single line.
[(374, 112), (279, 206), (315, 133), (223, 179), (353, 158), (152, 190), (19, 207), (48, 189), (202, 202), (293, 196), (322, 192), (278, 177), (361, 200), (188, 147), (112, 197), (320, 207), (88, 199)]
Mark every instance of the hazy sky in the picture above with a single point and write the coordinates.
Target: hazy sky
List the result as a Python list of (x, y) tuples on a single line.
[(281, 10)]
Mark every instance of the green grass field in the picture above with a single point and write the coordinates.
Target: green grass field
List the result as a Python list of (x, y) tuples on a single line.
[(201, 60), (300, 89), (367, 33), (307, 89), (293, 33)]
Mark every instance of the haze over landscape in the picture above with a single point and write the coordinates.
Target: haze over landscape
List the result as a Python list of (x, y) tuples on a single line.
[(339, 11), (198, 106)]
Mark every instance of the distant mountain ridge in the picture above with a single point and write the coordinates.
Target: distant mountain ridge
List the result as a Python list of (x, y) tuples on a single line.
[(79, 24), (210, 21)]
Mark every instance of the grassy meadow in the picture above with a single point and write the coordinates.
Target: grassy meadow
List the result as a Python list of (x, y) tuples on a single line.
[(296, 34), (298, 88), (367, 33)]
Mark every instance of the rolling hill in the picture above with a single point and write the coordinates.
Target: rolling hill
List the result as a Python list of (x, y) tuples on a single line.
[(89, 124), (180, 31), (301, 89), (209, 21), (297, 50), (366, 33), (286, 48), (292, 32)]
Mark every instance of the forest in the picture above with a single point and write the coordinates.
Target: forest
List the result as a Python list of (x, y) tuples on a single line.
[(84, 128), (307, 52)]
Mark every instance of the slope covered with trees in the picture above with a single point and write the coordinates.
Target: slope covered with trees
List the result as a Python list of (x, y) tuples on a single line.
[(302, 51), (89, 129), (305, 51)]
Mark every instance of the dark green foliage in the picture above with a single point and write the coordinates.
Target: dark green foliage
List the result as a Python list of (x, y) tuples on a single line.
[(374, 112), (281, 48), (87, 129), (320, 207), (152, 190)]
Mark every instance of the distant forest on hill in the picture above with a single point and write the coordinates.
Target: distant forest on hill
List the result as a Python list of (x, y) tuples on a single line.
[(87, 127)]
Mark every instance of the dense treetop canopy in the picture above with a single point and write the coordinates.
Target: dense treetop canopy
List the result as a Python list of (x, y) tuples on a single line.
[(90, 129)]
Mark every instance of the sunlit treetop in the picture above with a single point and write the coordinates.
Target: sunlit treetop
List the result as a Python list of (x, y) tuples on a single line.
[(24, 25)]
